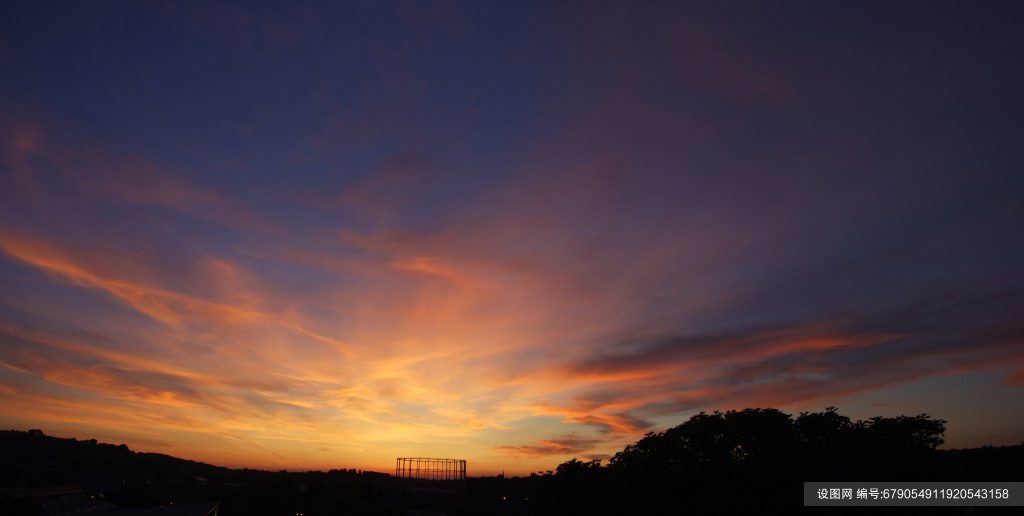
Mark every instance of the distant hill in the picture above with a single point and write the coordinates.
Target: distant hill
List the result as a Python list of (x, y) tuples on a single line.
[(32, 459), (132, 479)]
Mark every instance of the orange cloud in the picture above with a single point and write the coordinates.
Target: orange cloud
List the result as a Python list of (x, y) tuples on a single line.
[(165, 306), (551, 447)]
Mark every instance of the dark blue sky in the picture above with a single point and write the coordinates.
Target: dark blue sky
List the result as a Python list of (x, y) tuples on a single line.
[(516, 232)]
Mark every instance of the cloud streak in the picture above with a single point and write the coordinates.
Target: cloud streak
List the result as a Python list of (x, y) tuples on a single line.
[(551, 447)]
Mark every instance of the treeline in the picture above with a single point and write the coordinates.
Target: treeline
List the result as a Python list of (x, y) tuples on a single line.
[(756, 460)]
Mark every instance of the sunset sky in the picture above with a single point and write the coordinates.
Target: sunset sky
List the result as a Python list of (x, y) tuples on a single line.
[(314, 236)]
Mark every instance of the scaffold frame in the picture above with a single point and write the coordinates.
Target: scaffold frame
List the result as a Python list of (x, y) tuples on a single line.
[(448, 472)]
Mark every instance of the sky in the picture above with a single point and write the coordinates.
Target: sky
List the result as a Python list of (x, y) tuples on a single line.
[(310, 236)]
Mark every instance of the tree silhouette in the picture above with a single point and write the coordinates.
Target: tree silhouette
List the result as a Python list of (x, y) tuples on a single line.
[(736, 460)]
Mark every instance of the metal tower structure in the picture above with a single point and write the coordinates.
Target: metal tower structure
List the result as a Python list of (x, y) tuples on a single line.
[(433, 474)]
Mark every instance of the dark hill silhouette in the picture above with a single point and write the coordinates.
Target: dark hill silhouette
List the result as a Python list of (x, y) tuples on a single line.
[(132, 479), (32, 459)]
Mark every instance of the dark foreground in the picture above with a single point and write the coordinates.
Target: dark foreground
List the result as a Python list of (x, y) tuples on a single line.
[(752, 461)]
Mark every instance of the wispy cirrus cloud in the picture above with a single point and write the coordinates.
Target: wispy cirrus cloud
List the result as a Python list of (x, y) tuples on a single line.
[(55, 163), (551, 447)]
